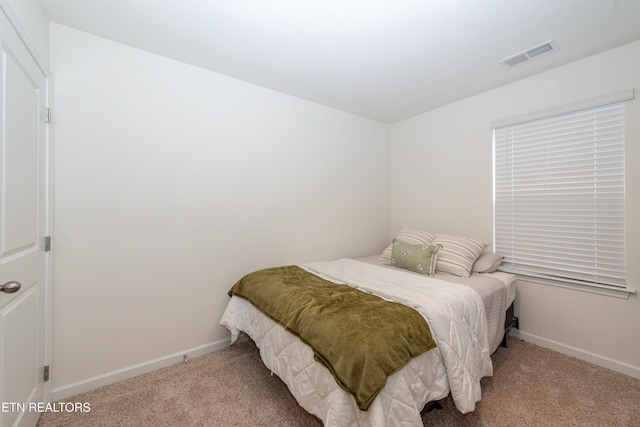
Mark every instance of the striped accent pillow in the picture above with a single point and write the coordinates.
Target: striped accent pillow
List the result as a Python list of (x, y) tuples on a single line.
[(409, 235), (457, 254)]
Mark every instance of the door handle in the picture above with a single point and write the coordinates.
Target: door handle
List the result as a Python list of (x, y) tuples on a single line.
[(11, 287)]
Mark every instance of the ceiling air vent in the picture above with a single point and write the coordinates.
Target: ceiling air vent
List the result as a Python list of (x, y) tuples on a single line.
[(529, 54)]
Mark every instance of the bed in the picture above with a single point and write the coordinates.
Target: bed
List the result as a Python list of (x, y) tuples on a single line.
[(467, 317)]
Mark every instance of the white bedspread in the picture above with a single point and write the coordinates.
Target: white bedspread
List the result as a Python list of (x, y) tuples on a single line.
[(455, 314)]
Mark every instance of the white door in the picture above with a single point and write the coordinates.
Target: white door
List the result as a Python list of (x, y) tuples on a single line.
[(23, 228)]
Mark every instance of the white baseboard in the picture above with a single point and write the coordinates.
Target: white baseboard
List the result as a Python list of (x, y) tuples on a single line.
[(142, 368), (132, 371), (614, 365)]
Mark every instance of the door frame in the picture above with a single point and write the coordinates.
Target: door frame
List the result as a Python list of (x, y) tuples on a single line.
[(5, 8)]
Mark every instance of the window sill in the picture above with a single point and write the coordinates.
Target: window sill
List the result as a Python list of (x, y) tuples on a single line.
[(610, 291)]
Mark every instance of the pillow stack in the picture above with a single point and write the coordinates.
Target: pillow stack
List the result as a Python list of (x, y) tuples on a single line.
[(417, 250)]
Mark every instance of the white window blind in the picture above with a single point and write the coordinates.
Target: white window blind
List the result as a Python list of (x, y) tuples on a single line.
[(559, 196)]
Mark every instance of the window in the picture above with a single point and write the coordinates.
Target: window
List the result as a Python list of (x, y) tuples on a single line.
[(559, 195)]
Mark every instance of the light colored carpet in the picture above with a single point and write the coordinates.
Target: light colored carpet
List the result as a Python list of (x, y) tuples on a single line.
[(531, 386)]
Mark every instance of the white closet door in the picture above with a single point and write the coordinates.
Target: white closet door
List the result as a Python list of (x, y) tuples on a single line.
[(23, 223)]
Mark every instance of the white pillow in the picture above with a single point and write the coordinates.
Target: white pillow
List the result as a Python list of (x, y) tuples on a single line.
[(458, 254), (409, 235), (488, 262)]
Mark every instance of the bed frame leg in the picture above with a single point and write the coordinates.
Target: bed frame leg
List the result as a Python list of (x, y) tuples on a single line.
[(515, 323)]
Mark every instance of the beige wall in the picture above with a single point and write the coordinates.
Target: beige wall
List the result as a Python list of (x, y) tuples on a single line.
[(441, 180), (170, 183), (168, 187)]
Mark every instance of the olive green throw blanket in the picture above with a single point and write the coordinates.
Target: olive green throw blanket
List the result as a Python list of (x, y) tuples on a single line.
[(359, 337)]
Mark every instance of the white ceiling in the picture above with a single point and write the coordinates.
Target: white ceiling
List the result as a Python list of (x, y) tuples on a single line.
[(383, 59)]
